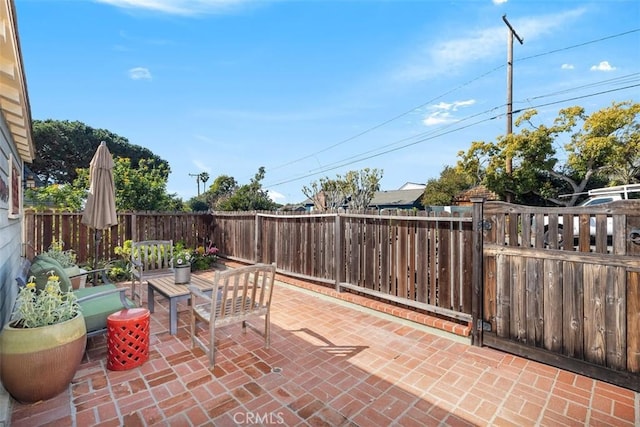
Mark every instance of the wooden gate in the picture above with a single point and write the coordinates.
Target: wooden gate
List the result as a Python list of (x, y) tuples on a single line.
[(562, 286)]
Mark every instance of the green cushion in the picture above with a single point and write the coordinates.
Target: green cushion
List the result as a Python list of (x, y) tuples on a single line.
[(40, 268), (96, 311)]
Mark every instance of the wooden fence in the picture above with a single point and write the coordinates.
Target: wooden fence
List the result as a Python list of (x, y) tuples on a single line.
[(416, 260), (562, 285), (41, 229)]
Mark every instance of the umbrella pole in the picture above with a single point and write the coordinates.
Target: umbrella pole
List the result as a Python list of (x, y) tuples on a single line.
[(98, 238)]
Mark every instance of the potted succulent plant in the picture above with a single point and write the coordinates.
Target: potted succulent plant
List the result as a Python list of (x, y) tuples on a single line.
[(42, 347)]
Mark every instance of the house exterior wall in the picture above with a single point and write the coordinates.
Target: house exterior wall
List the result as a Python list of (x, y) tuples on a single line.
[(10, 221)]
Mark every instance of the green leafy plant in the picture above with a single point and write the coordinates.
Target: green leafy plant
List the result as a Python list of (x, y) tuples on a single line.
[(45, 307), (120, 269), (204, 257), (66, 258)]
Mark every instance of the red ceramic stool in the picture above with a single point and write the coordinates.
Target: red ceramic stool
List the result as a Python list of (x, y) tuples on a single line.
[(127, 339)]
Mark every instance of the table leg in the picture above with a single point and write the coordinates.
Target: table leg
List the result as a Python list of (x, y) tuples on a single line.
[(173, 316), (150, 298)]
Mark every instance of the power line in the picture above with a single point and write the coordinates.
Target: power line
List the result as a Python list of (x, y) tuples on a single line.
[(635, 30), (386, 122), (629, 78), (577, 97), (479, 77), (437, 132), (420, 135), (344, 162)]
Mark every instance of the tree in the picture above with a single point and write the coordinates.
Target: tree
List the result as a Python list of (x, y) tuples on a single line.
[(361, 186), (64, 197), (141, 188), (605, 148), (196, 204), (441, 191), (62, 147), (327, 194), (357, 189), (203, 177), (249, 197), (137, 189), (221, 189)]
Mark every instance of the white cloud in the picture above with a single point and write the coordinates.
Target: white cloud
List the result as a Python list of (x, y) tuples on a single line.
[(567, 66), (499, 1), (139, 73), (438, 118), (603, 66), (447, 56), (201, 165), (276, 197), (441, 113), (453, 106), (178, 7)]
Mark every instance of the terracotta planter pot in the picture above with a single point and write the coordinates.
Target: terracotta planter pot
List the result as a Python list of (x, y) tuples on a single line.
[(39, 363)]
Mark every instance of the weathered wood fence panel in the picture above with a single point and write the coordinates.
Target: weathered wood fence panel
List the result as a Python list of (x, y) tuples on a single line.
[(43, 228), (566, 298), (416, 260)]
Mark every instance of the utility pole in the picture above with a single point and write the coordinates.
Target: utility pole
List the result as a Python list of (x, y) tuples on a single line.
[(197, 175), (510, 35)]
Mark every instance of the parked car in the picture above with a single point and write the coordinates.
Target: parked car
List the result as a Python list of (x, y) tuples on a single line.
[(597, 196)]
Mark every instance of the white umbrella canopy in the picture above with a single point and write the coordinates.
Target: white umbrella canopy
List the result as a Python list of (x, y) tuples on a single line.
[(100, 209)]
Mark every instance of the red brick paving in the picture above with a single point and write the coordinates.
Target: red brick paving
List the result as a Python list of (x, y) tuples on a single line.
[(339, 367)]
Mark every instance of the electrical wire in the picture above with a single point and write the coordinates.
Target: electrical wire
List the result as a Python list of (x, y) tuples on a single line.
[(344, 162), (479, 77), (386, 122), (526, 58), (628, 79)]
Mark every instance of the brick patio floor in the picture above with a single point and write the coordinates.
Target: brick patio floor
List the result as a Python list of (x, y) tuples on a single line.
[(330, 364)]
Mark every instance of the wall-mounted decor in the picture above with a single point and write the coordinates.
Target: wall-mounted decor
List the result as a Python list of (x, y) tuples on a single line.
[(15, 193), (4, 191)]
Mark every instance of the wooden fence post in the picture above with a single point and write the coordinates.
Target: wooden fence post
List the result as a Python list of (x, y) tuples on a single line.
[(339, 254), (257, 249), (134, 228), (477, 272)]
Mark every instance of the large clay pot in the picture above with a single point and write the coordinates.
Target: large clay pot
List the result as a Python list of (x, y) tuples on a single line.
[(39, 363)]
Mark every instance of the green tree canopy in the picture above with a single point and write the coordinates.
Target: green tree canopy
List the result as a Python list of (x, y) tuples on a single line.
[(602, 147), (222, 188), (141, 188), (441, 191), (248, 197), (63, 147)]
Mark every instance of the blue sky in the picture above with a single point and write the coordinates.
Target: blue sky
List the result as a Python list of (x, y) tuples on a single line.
[(310, 89)]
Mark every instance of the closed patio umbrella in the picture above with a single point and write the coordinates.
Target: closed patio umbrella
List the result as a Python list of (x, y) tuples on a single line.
[(100, 209)]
